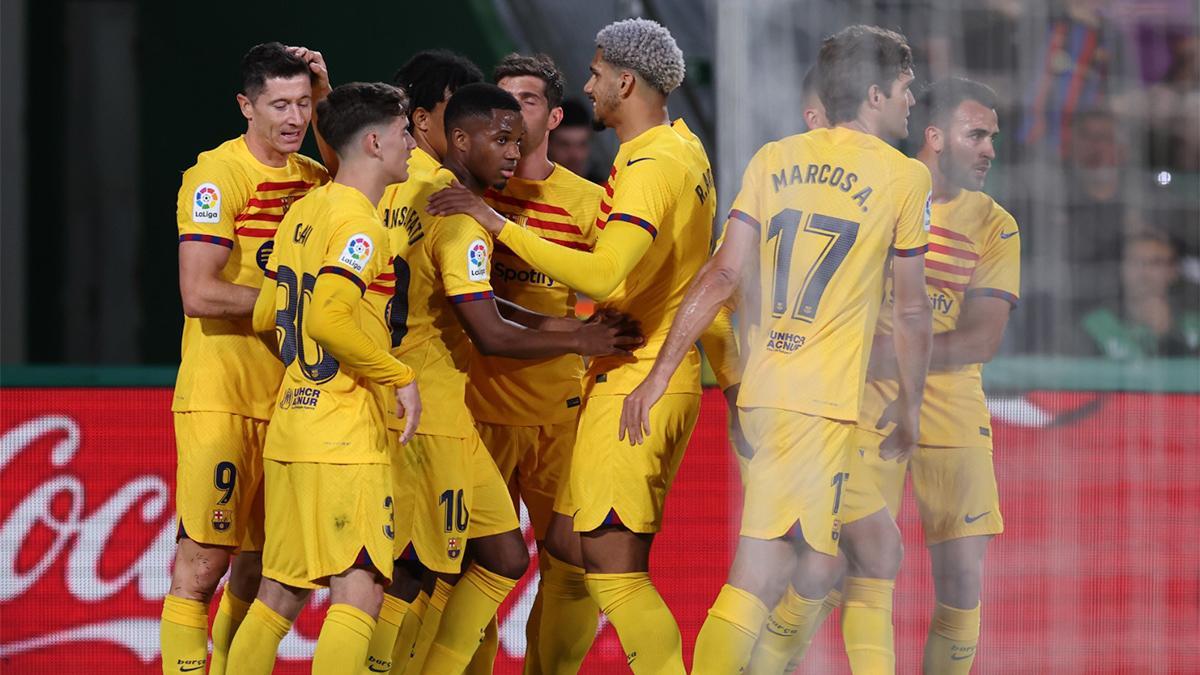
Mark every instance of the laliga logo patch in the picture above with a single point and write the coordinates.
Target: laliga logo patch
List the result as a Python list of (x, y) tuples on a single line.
[(206, 205), (928, 210), (477, 261), (453, 548), (221, 520), (358, 252)]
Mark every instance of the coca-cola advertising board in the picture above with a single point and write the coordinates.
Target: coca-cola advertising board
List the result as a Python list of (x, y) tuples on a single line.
[(1098, 570)]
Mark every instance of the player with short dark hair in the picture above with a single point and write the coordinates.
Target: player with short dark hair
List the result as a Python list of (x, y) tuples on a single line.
[(228, 205), (818, 216), (570, 144), (329, 287), (429, 78), (810, 101), (455, 490)]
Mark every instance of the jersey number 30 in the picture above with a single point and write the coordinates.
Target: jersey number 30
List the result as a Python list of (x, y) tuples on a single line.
[(290, 322), (837, 237)]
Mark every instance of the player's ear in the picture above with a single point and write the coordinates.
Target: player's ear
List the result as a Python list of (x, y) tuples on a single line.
[(555, 118), (420, 119), (370, 144), (934, 138), (246, 106), (875, 96), (460, 139), (625, 85)]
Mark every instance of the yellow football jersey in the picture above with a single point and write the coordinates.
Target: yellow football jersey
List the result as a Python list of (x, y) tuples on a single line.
[(231, 199), (562, 209), (327, 413), (438, 261), (974, 249), (829, 206)]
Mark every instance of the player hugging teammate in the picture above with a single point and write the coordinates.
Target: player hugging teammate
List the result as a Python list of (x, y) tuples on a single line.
[(373, 402)]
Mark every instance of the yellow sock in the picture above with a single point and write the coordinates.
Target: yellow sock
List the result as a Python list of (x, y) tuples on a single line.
[(343, 642), (230, 613), (648, 632), (953, 636), (533, 625), (184, 635), (473, 604), (429, 625), (727, 637), (387, 629), (406, 640), (257, 640), (788, 631), (867, 625), (569, 619), (483, 661)]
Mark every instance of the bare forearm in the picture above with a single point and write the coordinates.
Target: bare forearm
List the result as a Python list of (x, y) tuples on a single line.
[(954, 349), (913, 338), (217, 299), (516, 341), (531, 319), (712, 288)]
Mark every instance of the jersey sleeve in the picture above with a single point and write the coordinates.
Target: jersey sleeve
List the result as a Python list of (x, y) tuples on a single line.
[(356, 250), (747, 205), (210, 198), (462, 251), (998, 272), (646, 191), (912, 190)]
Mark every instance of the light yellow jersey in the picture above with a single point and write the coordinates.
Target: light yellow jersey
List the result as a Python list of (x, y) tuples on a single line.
[(230, 199), (974, 250), (829, 205), (561, 209), (327, 412), (660, 185), (438, 261)]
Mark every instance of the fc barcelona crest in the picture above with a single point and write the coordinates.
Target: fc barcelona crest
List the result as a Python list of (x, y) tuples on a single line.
[(286, 202), (453, 548), (221, 520)]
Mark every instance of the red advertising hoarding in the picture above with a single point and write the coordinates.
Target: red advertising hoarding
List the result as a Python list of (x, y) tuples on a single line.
[(1098, 571)]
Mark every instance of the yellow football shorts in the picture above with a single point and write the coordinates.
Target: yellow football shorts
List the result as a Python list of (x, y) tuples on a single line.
[(323, 519), (218, 479), (797, 475), (613, 482), (533, 461), (955, 488), (455, 493)]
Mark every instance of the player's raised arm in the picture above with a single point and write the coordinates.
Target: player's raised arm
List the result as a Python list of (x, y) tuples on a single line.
[(711, 290)]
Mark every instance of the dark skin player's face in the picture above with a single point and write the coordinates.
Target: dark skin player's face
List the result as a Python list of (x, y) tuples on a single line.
[(490, 148)]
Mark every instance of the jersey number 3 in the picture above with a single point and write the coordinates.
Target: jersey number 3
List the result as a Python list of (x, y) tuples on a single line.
[(837, 237)]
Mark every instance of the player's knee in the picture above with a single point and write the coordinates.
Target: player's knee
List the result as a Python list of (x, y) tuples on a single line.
[(198, 570), (874, 548), (245, 575), (506, 555)]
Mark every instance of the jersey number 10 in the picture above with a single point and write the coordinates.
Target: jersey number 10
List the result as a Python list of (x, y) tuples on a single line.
[(838, 236)]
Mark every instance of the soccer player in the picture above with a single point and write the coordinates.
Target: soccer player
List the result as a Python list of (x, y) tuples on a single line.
[(972, 276), (429, 78), (570, 143), (657, 218), (526, 411), (229, 204), (818, 215), (328, 301), (447, 297)]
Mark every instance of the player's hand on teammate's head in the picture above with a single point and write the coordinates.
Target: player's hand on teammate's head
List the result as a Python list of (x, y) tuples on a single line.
[(408, 406), (457, 199), (316, 63)]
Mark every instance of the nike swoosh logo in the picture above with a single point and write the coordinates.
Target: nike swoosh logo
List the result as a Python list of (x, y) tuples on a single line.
[(955, 657), (1006, 235), (635, 161), (968, 519), (373, 669), (188, 670)]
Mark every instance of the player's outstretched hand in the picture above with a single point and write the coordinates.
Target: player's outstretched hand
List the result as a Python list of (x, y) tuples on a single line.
[(608, 333), (457, 199), (316, 63), (408, 406), (635, 413)]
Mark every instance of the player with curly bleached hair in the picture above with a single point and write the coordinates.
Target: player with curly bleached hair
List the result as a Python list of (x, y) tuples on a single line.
[(645, 47)]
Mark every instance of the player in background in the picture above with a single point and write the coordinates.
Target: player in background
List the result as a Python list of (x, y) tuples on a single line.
[(229, 204), (328, 302), (459, 499), (972, 276), (817, 217), (429, 78), (656, 224), (526, 411)]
